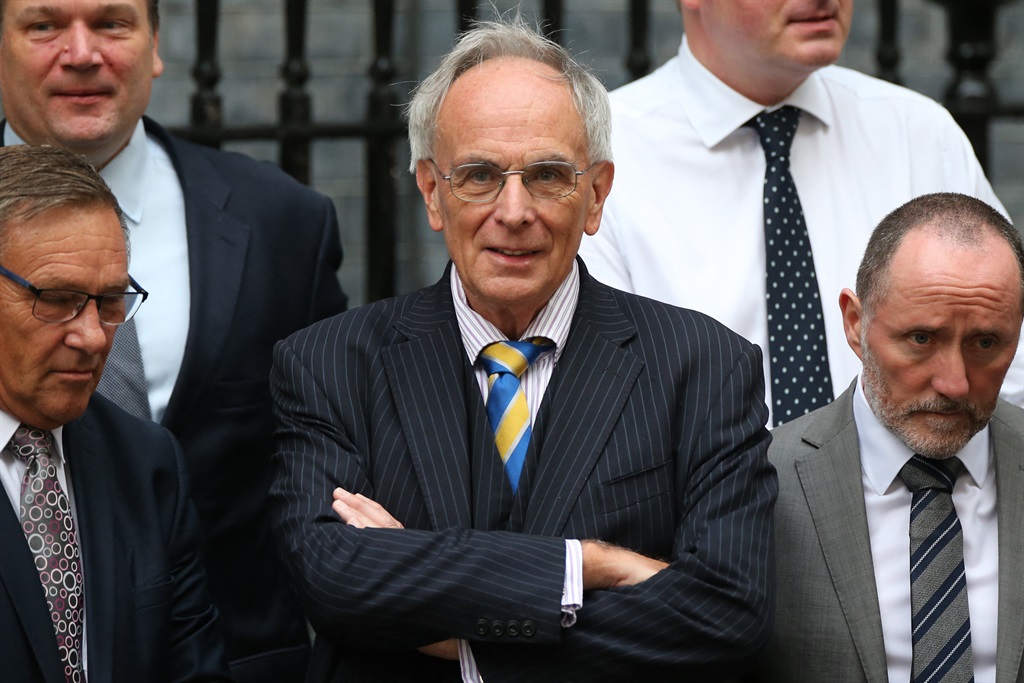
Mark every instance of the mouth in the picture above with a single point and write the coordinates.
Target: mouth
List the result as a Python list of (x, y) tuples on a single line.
[(512, 253)]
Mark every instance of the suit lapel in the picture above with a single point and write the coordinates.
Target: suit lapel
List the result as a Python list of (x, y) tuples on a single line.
[(426, 375), (1008, 443), (20, 580), (587, 393), (88, 471), (217, 244), (840, 521)]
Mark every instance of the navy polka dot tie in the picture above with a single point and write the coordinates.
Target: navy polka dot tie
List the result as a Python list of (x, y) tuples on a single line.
[(800, 378)]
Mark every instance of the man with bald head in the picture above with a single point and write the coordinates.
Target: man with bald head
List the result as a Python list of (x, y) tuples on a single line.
[(518, 473), (750, 170), (898, 520)]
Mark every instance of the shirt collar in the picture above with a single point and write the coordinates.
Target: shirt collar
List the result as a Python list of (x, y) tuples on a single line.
[(553, 321), (125, 174), (716, 111), (9, 424), (883, 455)]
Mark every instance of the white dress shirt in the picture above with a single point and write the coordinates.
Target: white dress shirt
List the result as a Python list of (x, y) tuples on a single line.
[(12, 472), (553, 322), (887, 501), (147, 188), (684, 221)]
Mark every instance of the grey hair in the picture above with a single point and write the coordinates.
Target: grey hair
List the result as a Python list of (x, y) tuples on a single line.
[(508, 38), (38, 179), (961, 219)]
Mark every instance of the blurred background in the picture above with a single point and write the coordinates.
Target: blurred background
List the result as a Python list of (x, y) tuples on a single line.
[(353, 63)]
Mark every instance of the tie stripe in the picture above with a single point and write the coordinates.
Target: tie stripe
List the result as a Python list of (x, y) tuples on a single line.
[(507, 410), (940, 616)]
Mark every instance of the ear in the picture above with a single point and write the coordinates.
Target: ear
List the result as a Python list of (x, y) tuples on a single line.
[(853, 319), (602, 185), (158, 64), (427, 181)]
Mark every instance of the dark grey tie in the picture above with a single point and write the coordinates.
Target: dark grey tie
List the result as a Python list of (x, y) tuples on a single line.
[(798, 356), (123, 380), (940, 619)]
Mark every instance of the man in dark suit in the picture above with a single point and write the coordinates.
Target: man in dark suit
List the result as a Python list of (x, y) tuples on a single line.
[(935, 321), (236, 255), (621, 530), (101, 575)]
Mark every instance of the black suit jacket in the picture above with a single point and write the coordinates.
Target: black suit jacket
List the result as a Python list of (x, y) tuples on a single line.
[(651, 436), (148, 614), (263, 255)]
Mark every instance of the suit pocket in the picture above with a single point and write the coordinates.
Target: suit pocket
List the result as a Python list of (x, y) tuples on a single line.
[(635, 487), (154, 595)]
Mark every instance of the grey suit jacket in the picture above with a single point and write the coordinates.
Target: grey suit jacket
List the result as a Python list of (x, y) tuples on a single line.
[(828, 624)]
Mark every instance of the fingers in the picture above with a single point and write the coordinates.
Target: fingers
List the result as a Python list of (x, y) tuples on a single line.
[(446, 649), (357, 510), (609, 566)]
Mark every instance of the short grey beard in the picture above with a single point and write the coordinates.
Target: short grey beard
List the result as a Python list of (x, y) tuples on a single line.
[(939, 444)]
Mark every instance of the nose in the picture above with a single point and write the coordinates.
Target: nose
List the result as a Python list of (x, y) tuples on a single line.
[(950, 375), (80, 49), (514, 206), (86, 332)]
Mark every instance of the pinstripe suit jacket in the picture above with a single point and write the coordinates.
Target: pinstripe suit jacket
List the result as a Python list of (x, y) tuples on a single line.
[(651, 436), (828, 624)]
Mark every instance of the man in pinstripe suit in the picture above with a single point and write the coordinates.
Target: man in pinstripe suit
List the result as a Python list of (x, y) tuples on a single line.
[(638, 542)]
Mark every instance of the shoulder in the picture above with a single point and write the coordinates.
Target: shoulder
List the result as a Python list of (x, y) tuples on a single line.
[(655, 91), (869, 91), (260, 181), (372, 326)]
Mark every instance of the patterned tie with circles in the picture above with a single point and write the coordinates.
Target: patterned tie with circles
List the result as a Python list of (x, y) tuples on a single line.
[(50, 531), (505, 362), (798, 356), (940, 616)]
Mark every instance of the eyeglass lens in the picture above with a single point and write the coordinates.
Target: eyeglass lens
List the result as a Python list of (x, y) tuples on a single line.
[(57, 306), (483, 182)]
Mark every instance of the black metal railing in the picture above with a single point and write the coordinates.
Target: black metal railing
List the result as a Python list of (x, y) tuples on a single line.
[(970, 96)]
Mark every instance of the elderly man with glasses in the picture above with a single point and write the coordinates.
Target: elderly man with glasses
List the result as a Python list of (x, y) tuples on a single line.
[(100, 569), (519, 473)]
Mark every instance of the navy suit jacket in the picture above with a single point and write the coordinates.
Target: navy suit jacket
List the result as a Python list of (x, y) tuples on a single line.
[(148, 614), (650, 436), (263, 255)]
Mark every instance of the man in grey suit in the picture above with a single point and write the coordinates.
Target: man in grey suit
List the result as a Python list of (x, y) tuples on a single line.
[(935, 321), (621, 530)]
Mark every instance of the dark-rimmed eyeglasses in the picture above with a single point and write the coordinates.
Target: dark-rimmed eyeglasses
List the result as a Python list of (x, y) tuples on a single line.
[(480, 183), (62, 305)]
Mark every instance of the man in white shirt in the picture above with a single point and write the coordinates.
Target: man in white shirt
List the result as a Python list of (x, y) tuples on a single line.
[(685, 224), (935, 321), (235, 254)]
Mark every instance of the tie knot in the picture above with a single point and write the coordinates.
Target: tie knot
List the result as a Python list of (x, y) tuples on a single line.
[(929, 473), (513, 357), (776, 129), (29, 442)]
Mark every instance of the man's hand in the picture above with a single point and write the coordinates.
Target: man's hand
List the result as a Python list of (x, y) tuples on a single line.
[(609, 566), (357, 510), (446, 649)]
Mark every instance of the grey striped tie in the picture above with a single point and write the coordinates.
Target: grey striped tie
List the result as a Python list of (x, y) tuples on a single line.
[(940, 618), (123, 380)]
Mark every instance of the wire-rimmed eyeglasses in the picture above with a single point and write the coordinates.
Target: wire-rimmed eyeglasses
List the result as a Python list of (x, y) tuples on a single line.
[(482, 182), (62, 305)]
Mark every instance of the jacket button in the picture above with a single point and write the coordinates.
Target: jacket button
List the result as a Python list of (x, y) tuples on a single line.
[(528, 629), (512, 628), (497, 629), (482, 627)]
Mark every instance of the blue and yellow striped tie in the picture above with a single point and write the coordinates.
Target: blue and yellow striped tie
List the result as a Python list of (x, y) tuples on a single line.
[(505, 362)]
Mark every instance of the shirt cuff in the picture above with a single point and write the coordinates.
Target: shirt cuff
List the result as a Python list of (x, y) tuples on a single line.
[(572, 590), (470, 674)]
